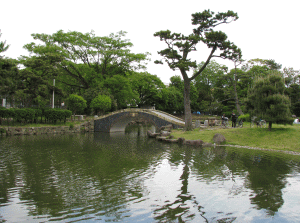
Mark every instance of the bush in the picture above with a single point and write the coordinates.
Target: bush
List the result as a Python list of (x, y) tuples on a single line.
[(71, 126), (52, 115), (245, 117), (76, 103), (101, 103), (2, 131)]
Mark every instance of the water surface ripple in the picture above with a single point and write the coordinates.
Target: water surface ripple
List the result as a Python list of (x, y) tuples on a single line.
[(126, 177)]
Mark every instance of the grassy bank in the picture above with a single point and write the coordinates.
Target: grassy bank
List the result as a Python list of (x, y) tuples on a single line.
[(280, 138)]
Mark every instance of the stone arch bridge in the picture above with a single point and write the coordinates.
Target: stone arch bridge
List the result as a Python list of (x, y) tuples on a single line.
[(118, 120)]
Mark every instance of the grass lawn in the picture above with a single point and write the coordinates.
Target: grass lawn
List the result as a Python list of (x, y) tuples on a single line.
[(282, 137)]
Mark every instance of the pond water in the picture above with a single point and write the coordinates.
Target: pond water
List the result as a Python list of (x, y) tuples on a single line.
[(126, 177)]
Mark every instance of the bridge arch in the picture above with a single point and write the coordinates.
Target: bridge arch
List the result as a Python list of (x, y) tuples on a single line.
[(117, 121)]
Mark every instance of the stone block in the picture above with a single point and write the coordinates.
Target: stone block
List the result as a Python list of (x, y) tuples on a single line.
[(197, 124)]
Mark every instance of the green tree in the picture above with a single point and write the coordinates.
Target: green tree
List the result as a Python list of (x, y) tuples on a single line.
[(76, 103), (101, 103), (3, 45), (10, 80), (266, 99), (37, 79), (120, 87), (147, 86), (293, 91), (179, 46), (208, 84), (171, 100), (85, 60)]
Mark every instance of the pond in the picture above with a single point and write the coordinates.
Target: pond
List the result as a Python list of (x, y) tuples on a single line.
[(126, 177)]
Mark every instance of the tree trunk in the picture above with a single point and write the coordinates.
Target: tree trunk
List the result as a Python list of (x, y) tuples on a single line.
[(187, 106), (270, 126), (238, 108)]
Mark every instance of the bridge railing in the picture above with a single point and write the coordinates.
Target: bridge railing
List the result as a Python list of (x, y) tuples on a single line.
[(148, 111), (173, 116)]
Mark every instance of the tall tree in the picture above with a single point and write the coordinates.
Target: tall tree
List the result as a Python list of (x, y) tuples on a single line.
[(266, 99), (84, 60), (179, 46), (147, 86)]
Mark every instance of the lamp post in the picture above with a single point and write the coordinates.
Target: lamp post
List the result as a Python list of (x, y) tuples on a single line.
[(53, 93)]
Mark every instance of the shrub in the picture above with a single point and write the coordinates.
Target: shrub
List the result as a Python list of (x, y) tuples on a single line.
[(71, 126), (2, 131), (101, 103), (245, 117), (76, 103)]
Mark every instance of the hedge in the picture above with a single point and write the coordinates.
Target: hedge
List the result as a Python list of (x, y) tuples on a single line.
[(30, 115)]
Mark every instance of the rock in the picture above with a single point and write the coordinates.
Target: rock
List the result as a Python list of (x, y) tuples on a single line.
[(198, 142), (172, 140), (161, 138), (197, 124), (181, 140), (166, 128), (206, 123), (152, 135), (219, 138), (165, 133)]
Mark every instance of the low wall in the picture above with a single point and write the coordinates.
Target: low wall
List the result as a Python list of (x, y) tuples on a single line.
[(84, 127)]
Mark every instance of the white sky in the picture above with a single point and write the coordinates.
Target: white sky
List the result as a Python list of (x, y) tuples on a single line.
[(266, 29)]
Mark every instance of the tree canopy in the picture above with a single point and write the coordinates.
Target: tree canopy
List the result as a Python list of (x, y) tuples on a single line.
[(84, 59), (266, 99)]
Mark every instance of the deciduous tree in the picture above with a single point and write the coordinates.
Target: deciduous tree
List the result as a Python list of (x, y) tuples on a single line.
[(85, 58)]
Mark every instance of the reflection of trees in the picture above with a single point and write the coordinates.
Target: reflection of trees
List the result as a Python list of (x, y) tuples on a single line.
[(63, 173), (167, 212), (266, 176), (265, 173)]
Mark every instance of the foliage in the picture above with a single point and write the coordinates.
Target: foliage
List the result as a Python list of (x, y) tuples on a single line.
[(37, 79), (101, 103), (121, 89), (179, 46), (267, 101), (245, 117), (76, 103), (3, 45), (71, 126), (147, 86), (84, 60), (171, 100), (10, 80), (52, 115), (2, 131)]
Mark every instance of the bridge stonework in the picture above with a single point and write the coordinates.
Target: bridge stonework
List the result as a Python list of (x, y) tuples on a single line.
[(117, 121)]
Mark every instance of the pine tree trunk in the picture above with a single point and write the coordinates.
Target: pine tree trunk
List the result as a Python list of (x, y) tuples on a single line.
[(270, 126), (238, 108), (187, 106)]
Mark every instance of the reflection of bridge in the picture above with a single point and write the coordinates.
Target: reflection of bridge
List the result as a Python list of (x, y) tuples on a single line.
[(118, 120)]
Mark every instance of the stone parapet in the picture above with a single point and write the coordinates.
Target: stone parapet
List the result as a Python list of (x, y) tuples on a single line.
[(83, 127)]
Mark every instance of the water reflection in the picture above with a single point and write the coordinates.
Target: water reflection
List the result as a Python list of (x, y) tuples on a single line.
[(128, 177)]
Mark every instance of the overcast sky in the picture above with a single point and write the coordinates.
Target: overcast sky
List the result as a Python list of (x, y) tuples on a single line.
[(265, 29)]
